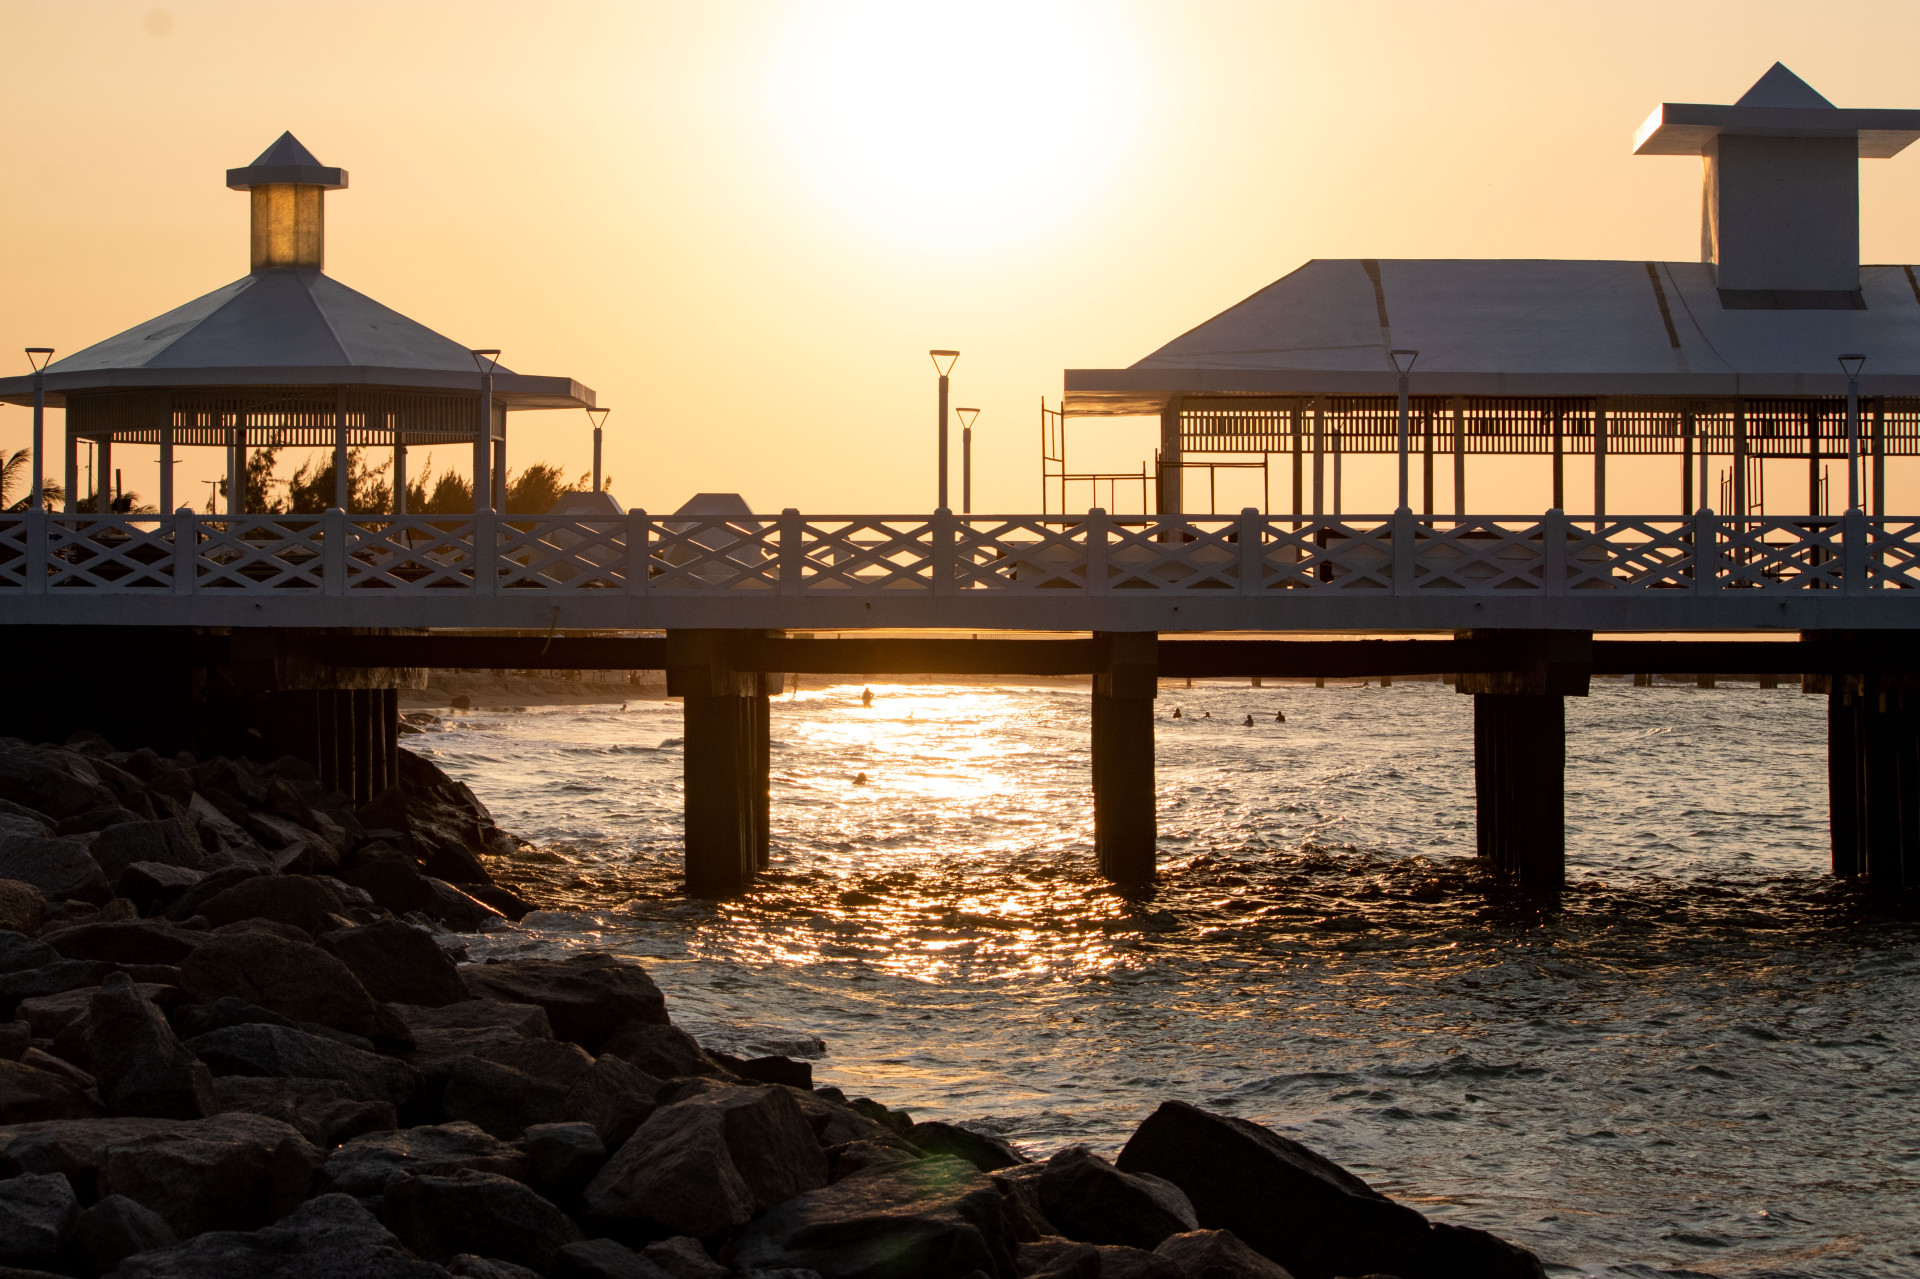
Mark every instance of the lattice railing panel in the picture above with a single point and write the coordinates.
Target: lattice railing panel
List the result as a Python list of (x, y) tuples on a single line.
[(691, 554), (1894, 562), (123, 554), (13, 552), (1479, 556), (1776, 554), (860, 554), (1327, 554), (410, 554), (1019, 554), (258, 553), (1173, 555), (561, 554)]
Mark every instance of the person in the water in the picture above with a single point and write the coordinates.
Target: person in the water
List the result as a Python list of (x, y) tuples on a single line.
[(859, 779), (1176, 712), (1249, 722), (1279, 717), (866, 697)]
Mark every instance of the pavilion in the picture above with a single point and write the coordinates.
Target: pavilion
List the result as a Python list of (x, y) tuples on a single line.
[(1732, 357), (288, 356)]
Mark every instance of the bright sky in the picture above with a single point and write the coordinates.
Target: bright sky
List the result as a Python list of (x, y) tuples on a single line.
[(744, 224)]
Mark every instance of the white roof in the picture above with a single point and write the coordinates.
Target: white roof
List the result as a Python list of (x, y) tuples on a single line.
[(1519, 327)]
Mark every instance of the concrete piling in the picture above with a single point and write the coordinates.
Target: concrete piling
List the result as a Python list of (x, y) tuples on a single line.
[(1124, 828), (726, 760)]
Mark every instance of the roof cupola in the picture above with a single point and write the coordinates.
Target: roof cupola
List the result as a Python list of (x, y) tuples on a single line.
[(289, 190)]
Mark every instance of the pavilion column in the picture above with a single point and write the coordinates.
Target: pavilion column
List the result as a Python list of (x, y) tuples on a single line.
[(342, 478), (166, 466), (72, 470), (1459, 456), (725, 760), (1813, 464), (1172, 497), (1299, 460), (1879, 458), (399, 465), (1686, 462), (1124, 831), (103, 476), (1599, 464), (1319, 459), (1426, 462), (1519, 753), (1739, 485)]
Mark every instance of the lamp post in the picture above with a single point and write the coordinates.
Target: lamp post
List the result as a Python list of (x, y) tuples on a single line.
[(599, 419), (1850, 364), (1403, 363), (37, 358), (943, 363), (485, 361), (966, 417)]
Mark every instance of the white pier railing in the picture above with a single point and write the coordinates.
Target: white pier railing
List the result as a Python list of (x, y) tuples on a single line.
[(391, 569)]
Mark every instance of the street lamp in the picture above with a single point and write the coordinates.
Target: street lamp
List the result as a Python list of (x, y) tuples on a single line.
[(1851, 365), (599, 419), (1403, 362), (37, 358), (943, 363), (485, 361), (966, 417)]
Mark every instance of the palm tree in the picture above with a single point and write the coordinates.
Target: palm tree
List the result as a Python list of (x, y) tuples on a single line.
[(15, 475)]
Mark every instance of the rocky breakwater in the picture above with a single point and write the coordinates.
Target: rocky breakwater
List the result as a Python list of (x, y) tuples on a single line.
[(239, 1041)]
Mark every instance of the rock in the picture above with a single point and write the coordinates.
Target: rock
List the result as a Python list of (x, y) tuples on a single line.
[(1286, 1202), (500, 1099), (167, 842), (1132, 1263), (524, 1021), (550, 1059), (836, 1123), (858, 1156), (116, 1228), (985, 1151), (662, 1051), (613, 1096), (292, 978), (1217, 1254), (264, 928), (393, 882), (397, 963), (769, 1070), (324, 1111), (60, 867), (1058, 1259), (605, 1259), (300, 900), (23, 907), (683, 1257), (47, 1063), (477, 1212), (142, 1069), (128, 941), (564, 1155), (935, 1219), (331, 1237), (19, 953), (145, 883), (512, 905), (56, 1016), (230, 1172), (15, 1038), (37, 1214), (29, 780), (458, 911), (368, 1165), (1462, 1252), (49, 979), (98, 820), (282, 1052), (1090, 1200), (18, 819), (71, 1147), (468, 1266), (586, 997), (714, 1161)]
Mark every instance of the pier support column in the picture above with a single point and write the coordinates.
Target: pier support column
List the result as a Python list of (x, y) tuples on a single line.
[(1124, 830), (1519, 752), (1873, 777), (726, 759)]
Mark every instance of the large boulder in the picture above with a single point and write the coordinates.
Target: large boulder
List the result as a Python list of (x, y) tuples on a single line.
[(19, 952), (683, 1257), (116, 1228), (325, 1111), (477, 1212), (71, 1147), (1090, 1200), (29, 1095), (609, 1259), (300, 900), (586, 997), (523, 1021), (1217, 1254), (166, 841), (331, 1237), (292, 978), (23, 907), (283, 1052), (28, 779), (613, 1096), (48, 979), (37, 1215), (368, 1165), (564, 1155), (230, 1172), (60, 867), (1301, 1209), (661, 1050), (128, 941), (500, 1099), (986, 1151), (711, 1162), (932, 1219), (393, 881), (397, 963), (142, 1069)]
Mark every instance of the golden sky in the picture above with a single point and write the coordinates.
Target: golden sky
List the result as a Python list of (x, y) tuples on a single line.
[(744, 224)]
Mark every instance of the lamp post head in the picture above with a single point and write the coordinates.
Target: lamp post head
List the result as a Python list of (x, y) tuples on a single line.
[(943, 360), (1403, 360), (1852, 363), (485, 360), (966, 417), (598, 417), (37, 357)]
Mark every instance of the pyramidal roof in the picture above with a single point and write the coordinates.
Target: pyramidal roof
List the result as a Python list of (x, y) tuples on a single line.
[(1782, 105), (289, 162), (1779, 87)]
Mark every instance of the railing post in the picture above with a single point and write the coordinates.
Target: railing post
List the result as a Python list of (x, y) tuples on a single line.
[(638, 570), (1096, 527), (486, 553), (1706, 552), (792, 551), (1853, 545), (186, 552), (333, 551), (946, 559), (1403, 535), (37, 532), (1253, 550), (1553, 552)]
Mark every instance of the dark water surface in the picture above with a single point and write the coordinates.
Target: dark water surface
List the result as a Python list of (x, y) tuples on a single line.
[(1709, 1062)]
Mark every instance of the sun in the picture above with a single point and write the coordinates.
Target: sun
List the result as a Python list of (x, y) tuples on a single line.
[(961, 125)]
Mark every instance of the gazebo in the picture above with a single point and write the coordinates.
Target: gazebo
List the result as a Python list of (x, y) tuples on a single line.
[(288, 356), (1733, 357)]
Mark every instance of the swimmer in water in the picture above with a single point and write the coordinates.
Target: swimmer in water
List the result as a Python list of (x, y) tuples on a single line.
[(1206, 714), (1279, 717), (1176, 712), (859, 779), (1249, 723), (866, 697)]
